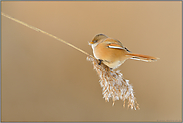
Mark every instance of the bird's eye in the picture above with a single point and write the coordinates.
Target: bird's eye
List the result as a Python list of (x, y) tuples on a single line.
[(95, 41)]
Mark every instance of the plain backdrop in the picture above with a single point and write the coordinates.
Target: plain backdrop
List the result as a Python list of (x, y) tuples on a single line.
[(46, 80)]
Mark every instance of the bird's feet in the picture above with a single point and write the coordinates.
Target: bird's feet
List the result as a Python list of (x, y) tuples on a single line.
[(100, 61)]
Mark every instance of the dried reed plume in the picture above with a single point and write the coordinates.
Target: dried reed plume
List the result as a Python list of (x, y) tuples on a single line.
[(112, 81), (114, 86)]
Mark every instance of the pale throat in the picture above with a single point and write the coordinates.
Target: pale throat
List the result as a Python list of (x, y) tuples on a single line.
[(94, 45)]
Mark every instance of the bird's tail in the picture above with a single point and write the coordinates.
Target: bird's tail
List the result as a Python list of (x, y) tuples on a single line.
[(142, 57)]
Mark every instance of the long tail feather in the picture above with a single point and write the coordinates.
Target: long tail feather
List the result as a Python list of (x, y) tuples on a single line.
[(143, 57)]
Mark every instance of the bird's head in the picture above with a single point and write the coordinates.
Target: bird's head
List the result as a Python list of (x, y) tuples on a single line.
[(97, 39)]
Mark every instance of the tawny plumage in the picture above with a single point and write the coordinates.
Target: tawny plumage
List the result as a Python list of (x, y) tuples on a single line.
[(112, 53)]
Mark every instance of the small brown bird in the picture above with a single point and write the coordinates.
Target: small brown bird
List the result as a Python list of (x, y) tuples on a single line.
[(112, 53)]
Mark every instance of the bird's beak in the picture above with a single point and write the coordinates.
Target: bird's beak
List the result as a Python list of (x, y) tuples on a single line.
[(90, 42)]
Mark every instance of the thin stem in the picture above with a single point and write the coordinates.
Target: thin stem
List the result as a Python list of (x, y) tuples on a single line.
[(39, 30)]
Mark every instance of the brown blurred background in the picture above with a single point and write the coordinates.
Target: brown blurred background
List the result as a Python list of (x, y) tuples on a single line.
[(46, 80)]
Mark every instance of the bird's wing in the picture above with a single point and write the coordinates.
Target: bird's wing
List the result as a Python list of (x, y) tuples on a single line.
[(115, 46)]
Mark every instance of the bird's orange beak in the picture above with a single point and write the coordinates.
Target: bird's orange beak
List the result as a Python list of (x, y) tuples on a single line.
[(90, 42)]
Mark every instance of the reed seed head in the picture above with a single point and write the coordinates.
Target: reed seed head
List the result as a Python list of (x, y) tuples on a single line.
[(114, 86)]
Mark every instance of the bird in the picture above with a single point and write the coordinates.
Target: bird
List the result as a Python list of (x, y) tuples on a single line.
[(112, 53)]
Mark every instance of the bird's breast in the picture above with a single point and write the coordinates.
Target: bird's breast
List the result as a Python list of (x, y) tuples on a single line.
[(113, 57)]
